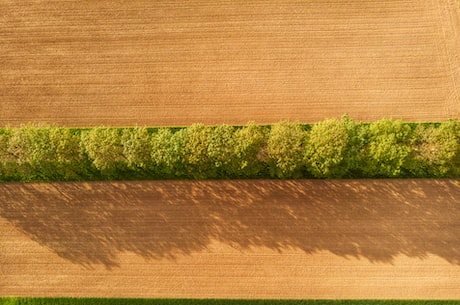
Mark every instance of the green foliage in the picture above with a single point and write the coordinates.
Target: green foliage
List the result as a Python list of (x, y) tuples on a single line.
[(136, 147), (355, 158), (388, 148), (6, 159), (330, 149), (208, 151), (31, 145), (326, 149), (38, 153), (196, 152), (103, 147), (435, 149), (285, 150), (249, 151), (220, 150), (66, 145), (167, 153), (68, 161)]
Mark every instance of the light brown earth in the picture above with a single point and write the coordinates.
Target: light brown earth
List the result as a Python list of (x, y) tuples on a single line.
[(235, 239), (85, 63), (142, 62)]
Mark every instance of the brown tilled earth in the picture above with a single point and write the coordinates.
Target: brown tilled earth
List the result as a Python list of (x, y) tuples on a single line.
[(142, 62), (235, 239), (86, 63)]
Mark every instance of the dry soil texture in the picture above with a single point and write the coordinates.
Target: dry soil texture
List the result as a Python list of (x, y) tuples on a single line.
[(238, 239), (85, 63)]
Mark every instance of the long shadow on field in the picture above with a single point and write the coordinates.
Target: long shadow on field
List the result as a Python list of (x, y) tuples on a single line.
[(91, 223)]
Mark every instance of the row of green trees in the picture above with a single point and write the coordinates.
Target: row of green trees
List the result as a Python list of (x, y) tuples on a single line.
[(329, 149)]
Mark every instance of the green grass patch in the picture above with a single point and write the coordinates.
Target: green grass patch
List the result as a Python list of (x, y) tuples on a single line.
[(113, 301)]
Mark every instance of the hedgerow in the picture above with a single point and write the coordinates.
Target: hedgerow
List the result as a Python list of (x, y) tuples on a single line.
[(329, 149)]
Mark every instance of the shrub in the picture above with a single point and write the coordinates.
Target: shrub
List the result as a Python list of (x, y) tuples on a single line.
[(326, 149), (249, 151), (7, 160), (65, 144), (388, 148), (32, 150), (103, 147), (136, 145), (167, 152), (220, 150), (285, 150), (5, 155), (355, 153), (196, 156), (31, 145), (435, 150)]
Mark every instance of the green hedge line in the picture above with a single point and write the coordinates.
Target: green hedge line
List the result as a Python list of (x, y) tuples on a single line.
[(329, 149), (100, 301)]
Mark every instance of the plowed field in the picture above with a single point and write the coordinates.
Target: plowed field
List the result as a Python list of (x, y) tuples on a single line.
[(119, 63), (239, 239), (85, 63)]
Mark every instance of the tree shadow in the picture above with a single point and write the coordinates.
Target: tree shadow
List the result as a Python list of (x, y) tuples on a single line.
[(92, 223)]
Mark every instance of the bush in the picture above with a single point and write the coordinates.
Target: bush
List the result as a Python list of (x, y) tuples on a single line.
[(249, 151), (285, 150), (5, 155), (435, 149), (326, 149), (388, 148), (355, 153), (167, 153), (196, 156), (103, 147), (31, 145), (7, 160), (220, 150), (136, 147), (39, 153)]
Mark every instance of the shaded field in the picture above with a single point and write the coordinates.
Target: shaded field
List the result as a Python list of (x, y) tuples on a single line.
[(232, 239), (86, 63)]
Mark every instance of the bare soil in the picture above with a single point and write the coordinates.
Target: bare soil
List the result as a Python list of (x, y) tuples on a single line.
[(86, 63), (119, 63), (232, 239)]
